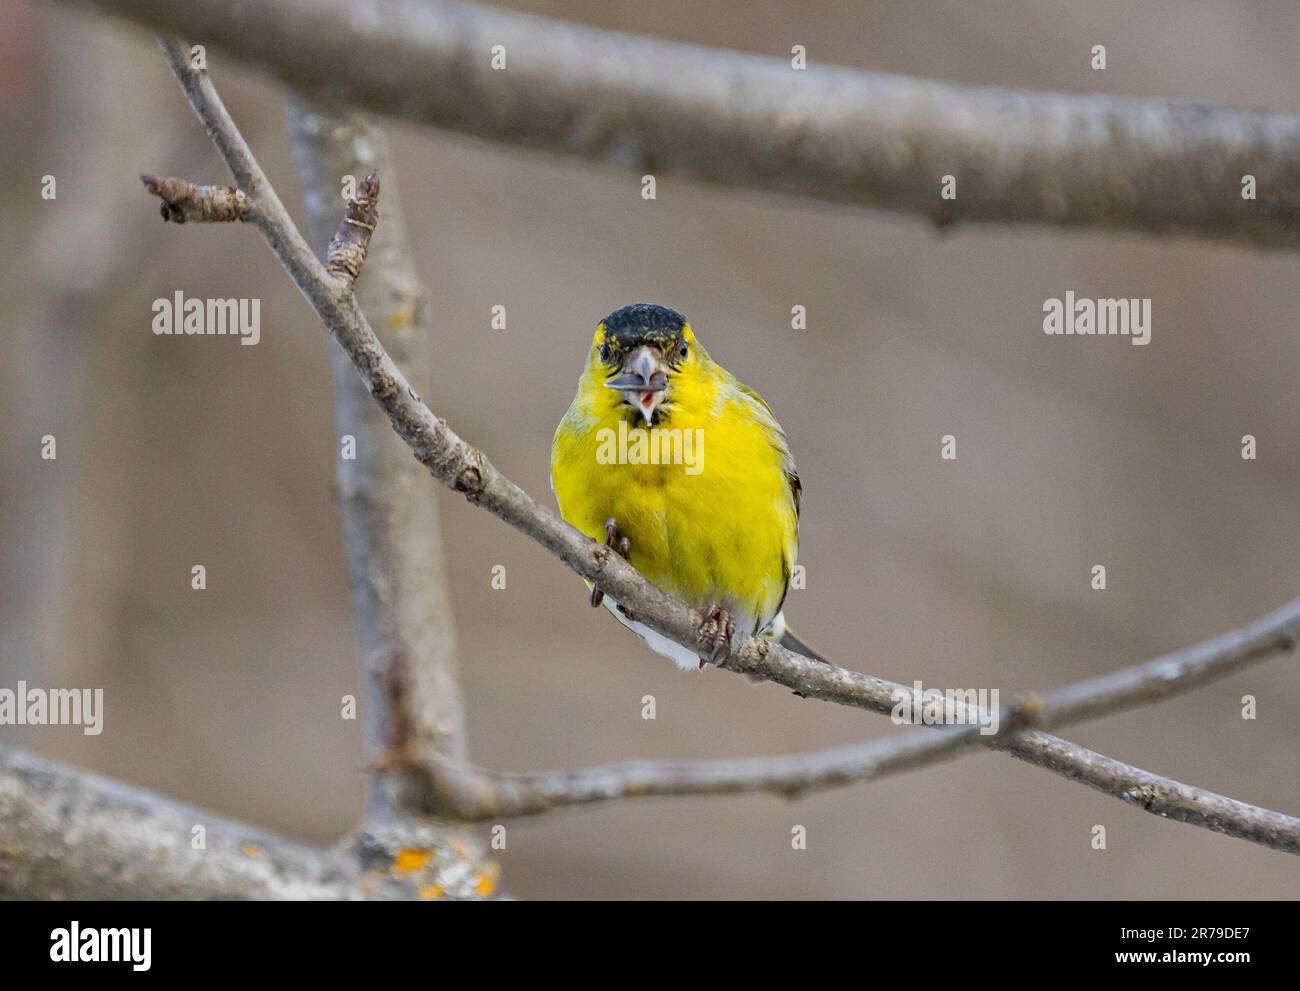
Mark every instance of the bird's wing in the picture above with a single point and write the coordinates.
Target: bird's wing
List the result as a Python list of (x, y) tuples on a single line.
[(777, 436)]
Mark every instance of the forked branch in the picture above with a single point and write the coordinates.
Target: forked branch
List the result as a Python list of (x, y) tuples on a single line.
[(467, 470)]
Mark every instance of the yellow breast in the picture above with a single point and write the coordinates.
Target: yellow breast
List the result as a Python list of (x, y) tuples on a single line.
[(704, 496)]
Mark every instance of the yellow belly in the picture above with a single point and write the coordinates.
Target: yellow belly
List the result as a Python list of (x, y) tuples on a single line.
[(723, 535)]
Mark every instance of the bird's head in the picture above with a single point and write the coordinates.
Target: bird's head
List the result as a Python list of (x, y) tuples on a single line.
[(643, 351)]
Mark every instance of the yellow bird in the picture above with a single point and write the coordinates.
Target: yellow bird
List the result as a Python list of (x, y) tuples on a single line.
[(667, 458)]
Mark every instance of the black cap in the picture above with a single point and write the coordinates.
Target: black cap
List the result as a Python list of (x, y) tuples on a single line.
[(643, 323)]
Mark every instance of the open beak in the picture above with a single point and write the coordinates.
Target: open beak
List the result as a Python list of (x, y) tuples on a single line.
[(642, 382)]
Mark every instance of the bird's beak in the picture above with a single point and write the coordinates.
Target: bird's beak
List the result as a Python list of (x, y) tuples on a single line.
[(643, 381)]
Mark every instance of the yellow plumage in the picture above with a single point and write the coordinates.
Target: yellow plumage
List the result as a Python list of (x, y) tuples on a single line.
[(726, 535)]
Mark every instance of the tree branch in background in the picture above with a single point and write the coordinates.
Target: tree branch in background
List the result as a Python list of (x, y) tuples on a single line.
[(478, 795), (66, 834), (749, 121), (475, 794), (394, 540), (468, 471), (406, 635)]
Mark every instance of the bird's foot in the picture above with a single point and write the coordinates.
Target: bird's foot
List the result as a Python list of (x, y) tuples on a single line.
[(718, 627), (623, 548)]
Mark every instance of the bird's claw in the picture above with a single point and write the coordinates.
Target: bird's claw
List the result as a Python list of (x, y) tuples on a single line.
[(623, 548), (723, 626)]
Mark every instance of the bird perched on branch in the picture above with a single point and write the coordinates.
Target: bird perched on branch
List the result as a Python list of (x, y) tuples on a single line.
[(667, 458)]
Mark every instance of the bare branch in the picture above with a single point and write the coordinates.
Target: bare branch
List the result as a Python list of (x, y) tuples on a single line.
[(1176, 672), (183, 200), (65, 834), (267, 212), (405, 631), (1163, 797), (476, 794), (1167, 675), (834, 134), (466, 470)]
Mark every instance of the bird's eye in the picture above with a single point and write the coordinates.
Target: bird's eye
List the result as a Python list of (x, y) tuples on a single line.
[(604, 352), (681, 351)]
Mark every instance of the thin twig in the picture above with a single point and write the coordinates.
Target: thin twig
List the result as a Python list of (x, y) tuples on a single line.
[(466, 470), (475, 794), (346, 253), (183, 201), (869, 139)]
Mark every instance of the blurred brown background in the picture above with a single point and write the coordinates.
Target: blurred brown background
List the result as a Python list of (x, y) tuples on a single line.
[(1072, 452)]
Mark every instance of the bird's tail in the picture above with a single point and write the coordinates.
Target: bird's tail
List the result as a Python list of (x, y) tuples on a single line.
[(791, 642)]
